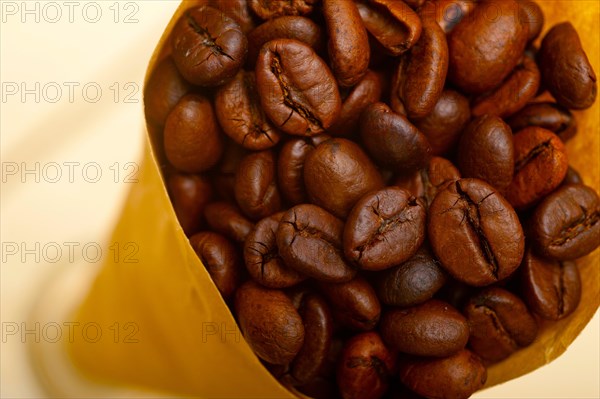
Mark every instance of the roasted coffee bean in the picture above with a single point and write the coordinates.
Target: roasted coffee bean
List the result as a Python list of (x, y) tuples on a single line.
[(268, 9), (290, 167), (486, 151), (348, 41), (426, 183), (572, 177), (533, 16), (499, 323), (192, 136), (208, 46), (162, 92), (256, 185), (566, 224), (447, 13), (221, 259), (392, 140), (384, 228), (270, 323), (189, 195), (337, 174), (443, 125), (310, 241), (227, 219), (551, 289), (540, 165), (240, 115), (502, 40), (355, 303), (262, 257), (513, 94), (547, 115), (392, 23), (365, 367), (421, 74), (297, 90), (433, 328), (565, 68), (475, 233), (457, 376), (412, 282), (238, 10), (286, 27)]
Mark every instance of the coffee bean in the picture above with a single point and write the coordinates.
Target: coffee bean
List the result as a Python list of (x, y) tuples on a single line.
[(189, 196), (238, 10), (227, 219), (268, 9), (549, 116), (162, 92), (533, 16)]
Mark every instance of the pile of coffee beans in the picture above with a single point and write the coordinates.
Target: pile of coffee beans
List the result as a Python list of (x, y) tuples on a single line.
[(379, 189)]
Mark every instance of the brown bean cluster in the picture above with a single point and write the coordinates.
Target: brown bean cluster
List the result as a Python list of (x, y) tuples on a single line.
[(379, 188)]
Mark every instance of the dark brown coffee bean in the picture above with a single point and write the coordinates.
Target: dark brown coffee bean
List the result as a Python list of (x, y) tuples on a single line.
[(486, 151), (393, 24), (238, 10), (208, 46), (261, 255), (447, 13), (513, 94), (533, 16), (297, 90), (268, 9), (270, 323), (412, 282), (457, 376), (443, 125), (572, 177), (348, 41), (566, 224), (310, 241), (255, 185), (433, 328), (475, 233), (162, 92), (547, 115), (286, 27), (238, 109), (566, 70), (337, 174), (192, 136), (365, 367), (384, 228), (499, 323), (355, 303), (392, 140), (227, 219), (189, 195), (290, 167), (221, 259), (551, 289), (495, 30), (540, 165), (421, 74)]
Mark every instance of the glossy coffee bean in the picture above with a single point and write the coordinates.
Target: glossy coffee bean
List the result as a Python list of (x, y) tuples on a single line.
[(348, 41), (355, 303), (412, 282), (297, 90), (502, 39), (547, 115), (392, 140), (189, 196), (162, 92), (566, 224), (384, 228), (192, 136), (572, 177), (256, 185), (269, 322), (238, 10), (566, 70), (551, 289), (433, 328), (475, 233), (540, 165), (365, 367), (262, 259), (447, 13), (486, 151), (310, 241), (457, 376), (227, 219), (268, 9), (240, 115), (337, 174), (221, 259), (500, 324), (208, 46), (533, 16)]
